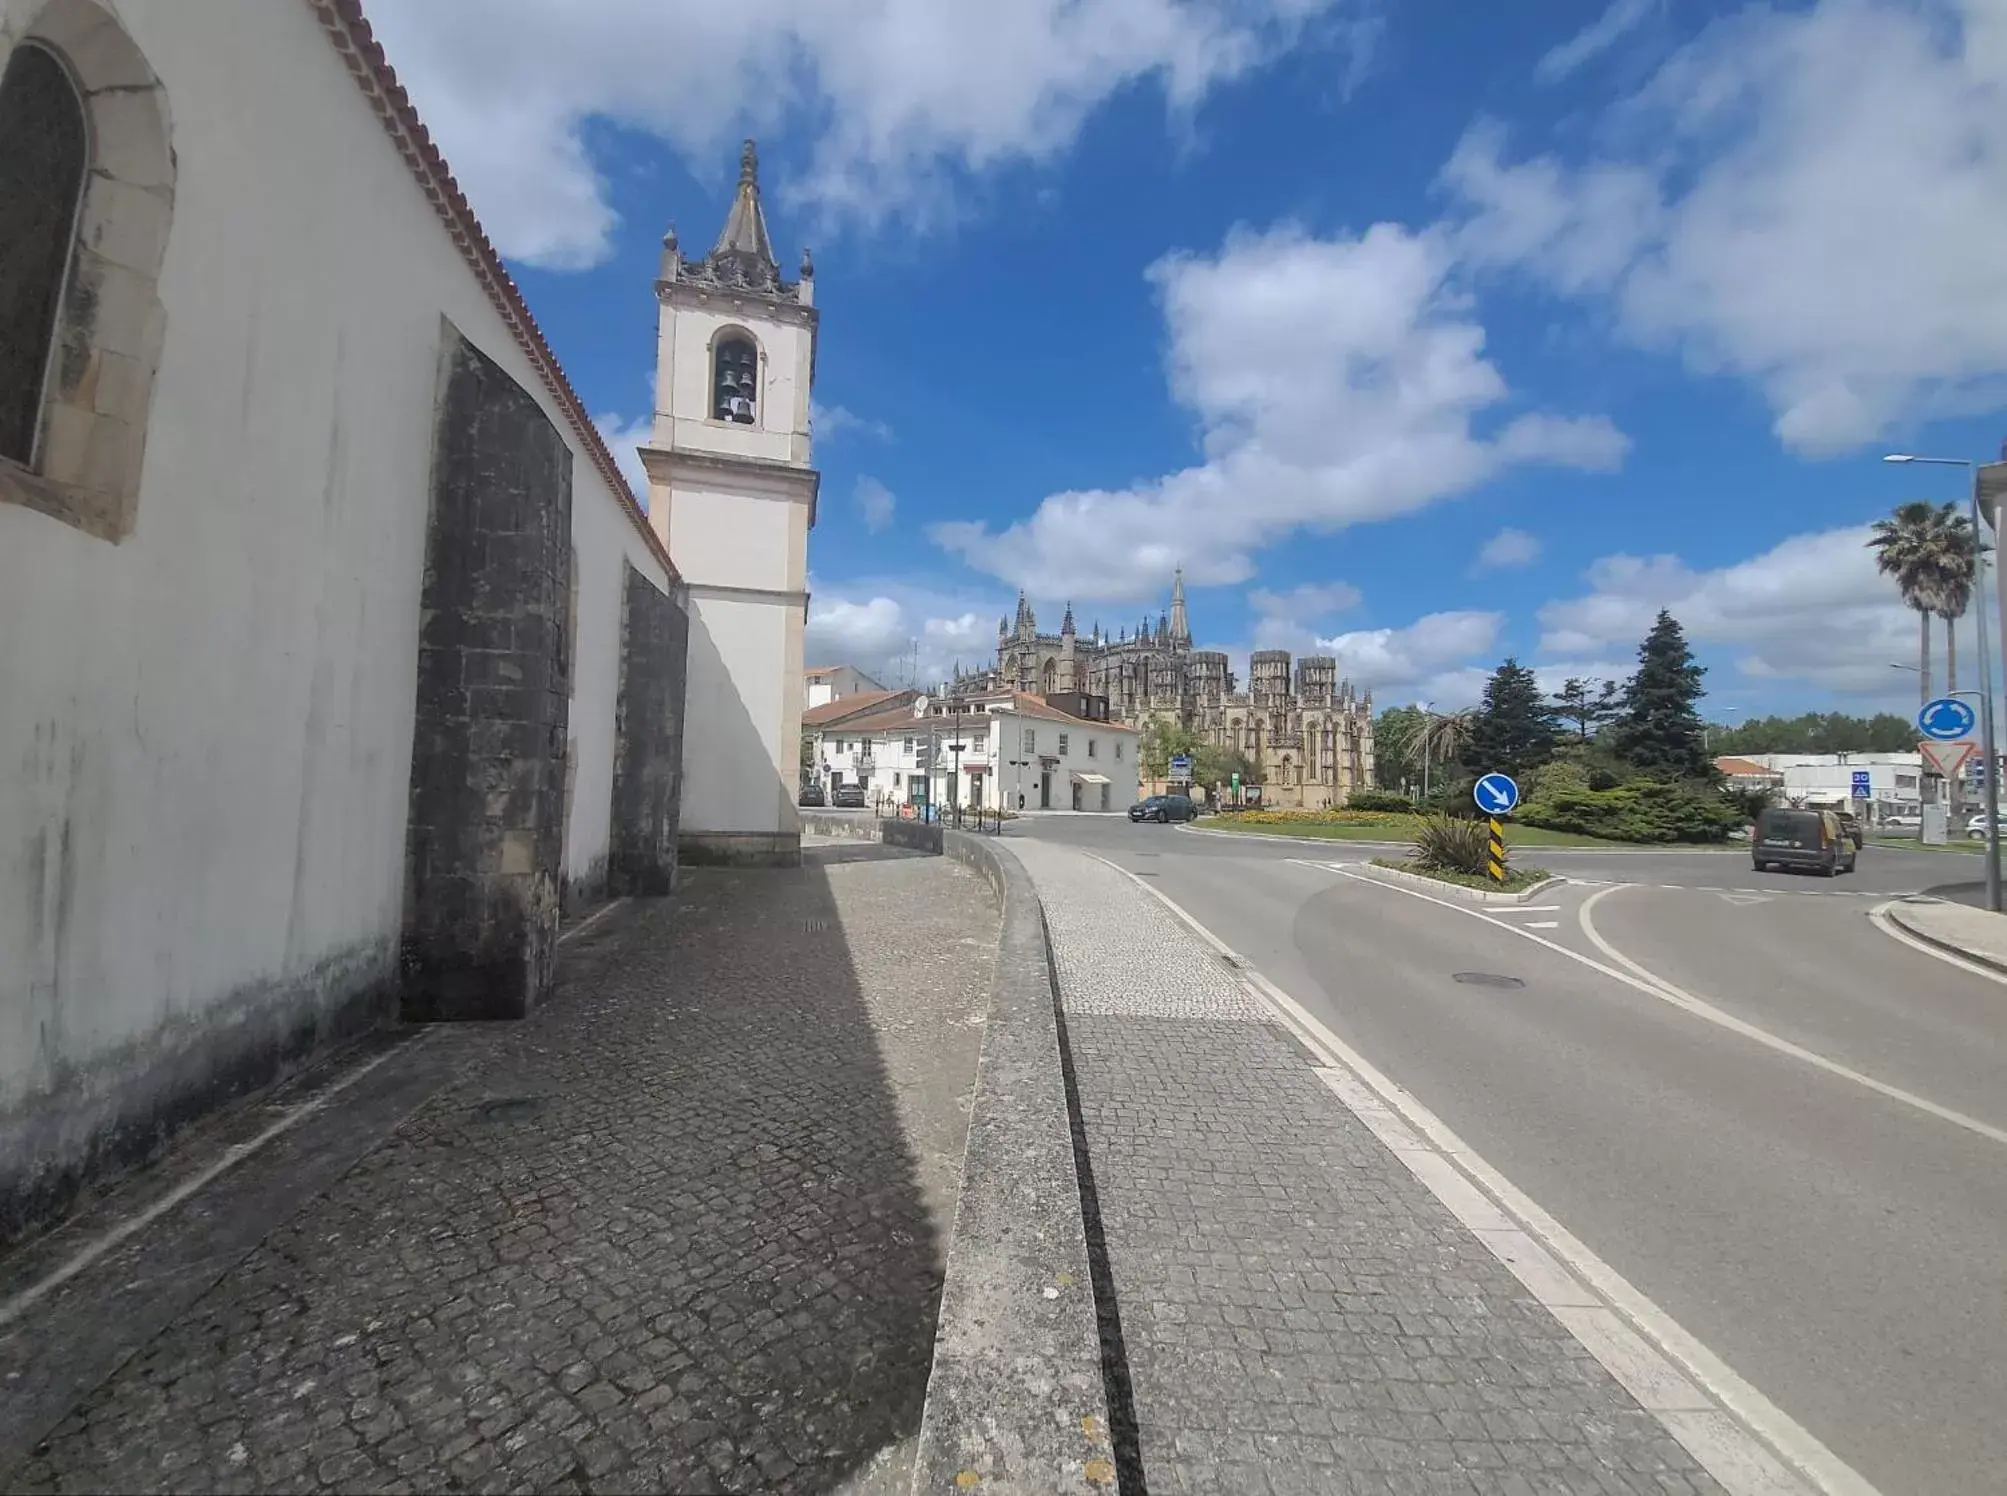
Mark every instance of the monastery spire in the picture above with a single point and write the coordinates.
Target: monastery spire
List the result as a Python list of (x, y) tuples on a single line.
[(1181, 628)]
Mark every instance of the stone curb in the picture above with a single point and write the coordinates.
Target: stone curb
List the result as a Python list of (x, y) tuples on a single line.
[(1894, 910), (1016, 1400), (1016, 1397), (1457, 890)]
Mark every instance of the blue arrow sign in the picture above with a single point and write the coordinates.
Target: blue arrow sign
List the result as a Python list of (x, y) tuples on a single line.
[(1946, 719), (1495, 794)]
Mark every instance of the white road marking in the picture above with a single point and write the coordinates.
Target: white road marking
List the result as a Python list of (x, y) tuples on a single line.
[(1533, 909), (1680, 998), (592, 919), (1739, 1435), (13, 1308), (1541, 924), (1879, 918)]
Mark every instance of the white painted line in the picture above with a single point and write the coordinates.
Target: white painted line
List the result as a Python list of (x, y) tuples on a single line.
[(12, 1309), (1542, 924), (1533, 909), (590, 920), (1879, 918), (1649, 1377), (1680, 998), (1730, 1444)]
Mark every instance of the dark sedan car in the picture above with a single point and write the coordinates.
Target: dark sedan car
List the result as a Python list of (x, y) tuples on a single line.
[(1165, 808), (811, 794), (848, 797)]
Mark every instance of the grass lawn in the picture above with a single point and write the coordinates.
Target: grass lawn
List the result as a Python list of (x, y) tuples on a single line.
[(1403, 829), (1516, 878)]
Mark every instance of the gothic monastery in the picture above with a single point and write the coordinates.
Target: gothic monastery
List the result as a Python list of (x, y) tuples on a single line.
[(1310, 733)]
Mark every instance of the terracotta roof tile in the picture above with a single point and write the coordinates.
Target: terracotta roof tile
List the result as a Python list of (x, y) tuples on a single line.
[(350, 33), (847, 706), (1740, 766)]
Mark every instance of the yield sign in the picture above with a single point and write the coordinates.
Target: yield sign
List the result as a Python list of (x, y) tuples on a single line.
[(1945, 758)]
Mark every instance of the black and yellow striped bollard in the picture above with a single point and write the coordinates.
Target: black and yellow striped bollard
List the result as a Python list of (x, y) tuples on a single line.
[(1497, 850)]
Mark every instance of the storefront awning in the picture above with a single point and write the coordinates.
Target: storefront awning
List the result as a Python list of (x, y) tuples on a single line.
[(1091, 778)]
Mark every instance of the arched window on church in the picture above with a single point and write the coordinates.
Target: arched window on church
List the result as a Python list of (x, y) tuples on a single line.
[(1048, 678), (44, 160), (735, 375)]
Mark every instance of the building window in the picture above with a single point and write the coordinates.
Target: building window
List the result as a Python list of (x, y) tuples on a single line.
[(909, 745), (1093, 748), (1118, 747), (735, 372), (1030, 740), (86, 202), (44, 156), (1062, 745)]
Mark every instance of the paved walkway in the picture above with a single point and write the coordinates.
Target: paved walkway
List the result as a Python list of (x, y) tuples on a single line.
[(1298, 1313), (683, 1229), (1978, 934)]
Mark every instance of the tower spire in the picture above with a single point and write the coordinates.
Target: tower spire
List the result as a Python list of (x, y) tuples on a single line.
[(1181, 628), (743, 242)]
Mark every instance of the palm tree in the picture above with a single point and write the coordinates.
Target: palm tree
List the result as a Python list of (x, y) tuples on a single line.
[(1959, 574), (1919, 546), (1442, 736)]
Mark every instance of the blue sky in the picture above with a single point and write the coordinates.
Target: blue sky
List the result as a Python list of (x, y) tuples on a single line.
[(1418, 333)]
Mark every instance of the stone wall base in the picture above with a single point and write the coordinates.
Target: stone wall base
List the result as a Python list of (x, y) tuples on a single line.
[(739, 848)]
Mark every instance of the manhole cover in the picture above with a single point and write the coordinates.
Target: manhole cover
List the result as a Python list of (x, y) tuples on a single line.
[(1484, 979), (818, 926)]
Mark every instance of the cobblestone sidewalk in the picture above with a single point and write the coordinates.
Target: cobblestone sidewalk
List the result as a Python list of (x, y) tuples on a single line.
[(681, 1230), (1299, 1314)]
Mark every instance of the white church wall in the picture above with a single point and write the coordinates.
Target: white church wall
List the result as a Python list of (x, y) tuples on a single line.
[(742, 784), (213, 717)]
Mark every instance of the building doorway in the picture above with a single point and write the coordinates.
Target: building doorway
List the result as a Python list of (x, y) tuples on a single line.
[(1045, 789)]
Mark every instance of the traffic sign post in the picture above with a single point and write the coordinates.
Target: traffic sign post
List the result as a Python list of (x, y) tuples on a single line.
[(1863, 785), (1496, 795), (1181, 766), (1945, 759), (1946, 719)]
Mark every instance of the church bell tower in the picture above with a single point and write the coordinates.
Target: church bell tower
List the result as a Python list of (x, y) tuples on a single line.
[(732, 494)]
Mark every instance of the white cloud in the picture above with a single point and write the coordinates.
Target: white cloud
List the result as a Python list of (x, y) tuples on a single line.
[(1812, 609), (1334, 380), (1812, 200), (1284, 619), (1508, 547), (1431, 659), (622, 436), (831, 421), (899, 96), (1592, 41), (898, 632), (875, 503)]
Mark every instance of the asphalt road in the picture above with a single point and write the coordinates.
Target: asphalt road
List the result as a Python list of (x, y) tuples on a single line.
[(1842, 1247)]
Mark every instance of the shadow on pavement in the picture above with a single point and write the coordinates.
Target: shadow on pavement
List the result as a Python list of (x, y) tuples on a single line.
[(682, 1229)]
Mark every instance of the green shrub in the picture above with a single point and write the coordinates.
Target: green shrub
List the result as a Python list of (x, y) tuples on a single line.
[(1642, 811), (1445, 844), (1379, 800)]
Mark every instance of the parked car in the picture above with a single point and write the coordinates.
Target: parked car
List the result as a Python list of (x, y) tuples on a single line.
[(848, 797), (1163, 808), (1975, 827), (811, 794), (1802, 838), (1902, 820)]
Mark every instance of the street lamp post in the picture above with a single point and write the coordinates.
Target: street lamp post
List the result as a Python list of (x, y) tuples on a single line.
[(1985, 694), (1707, 732)]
